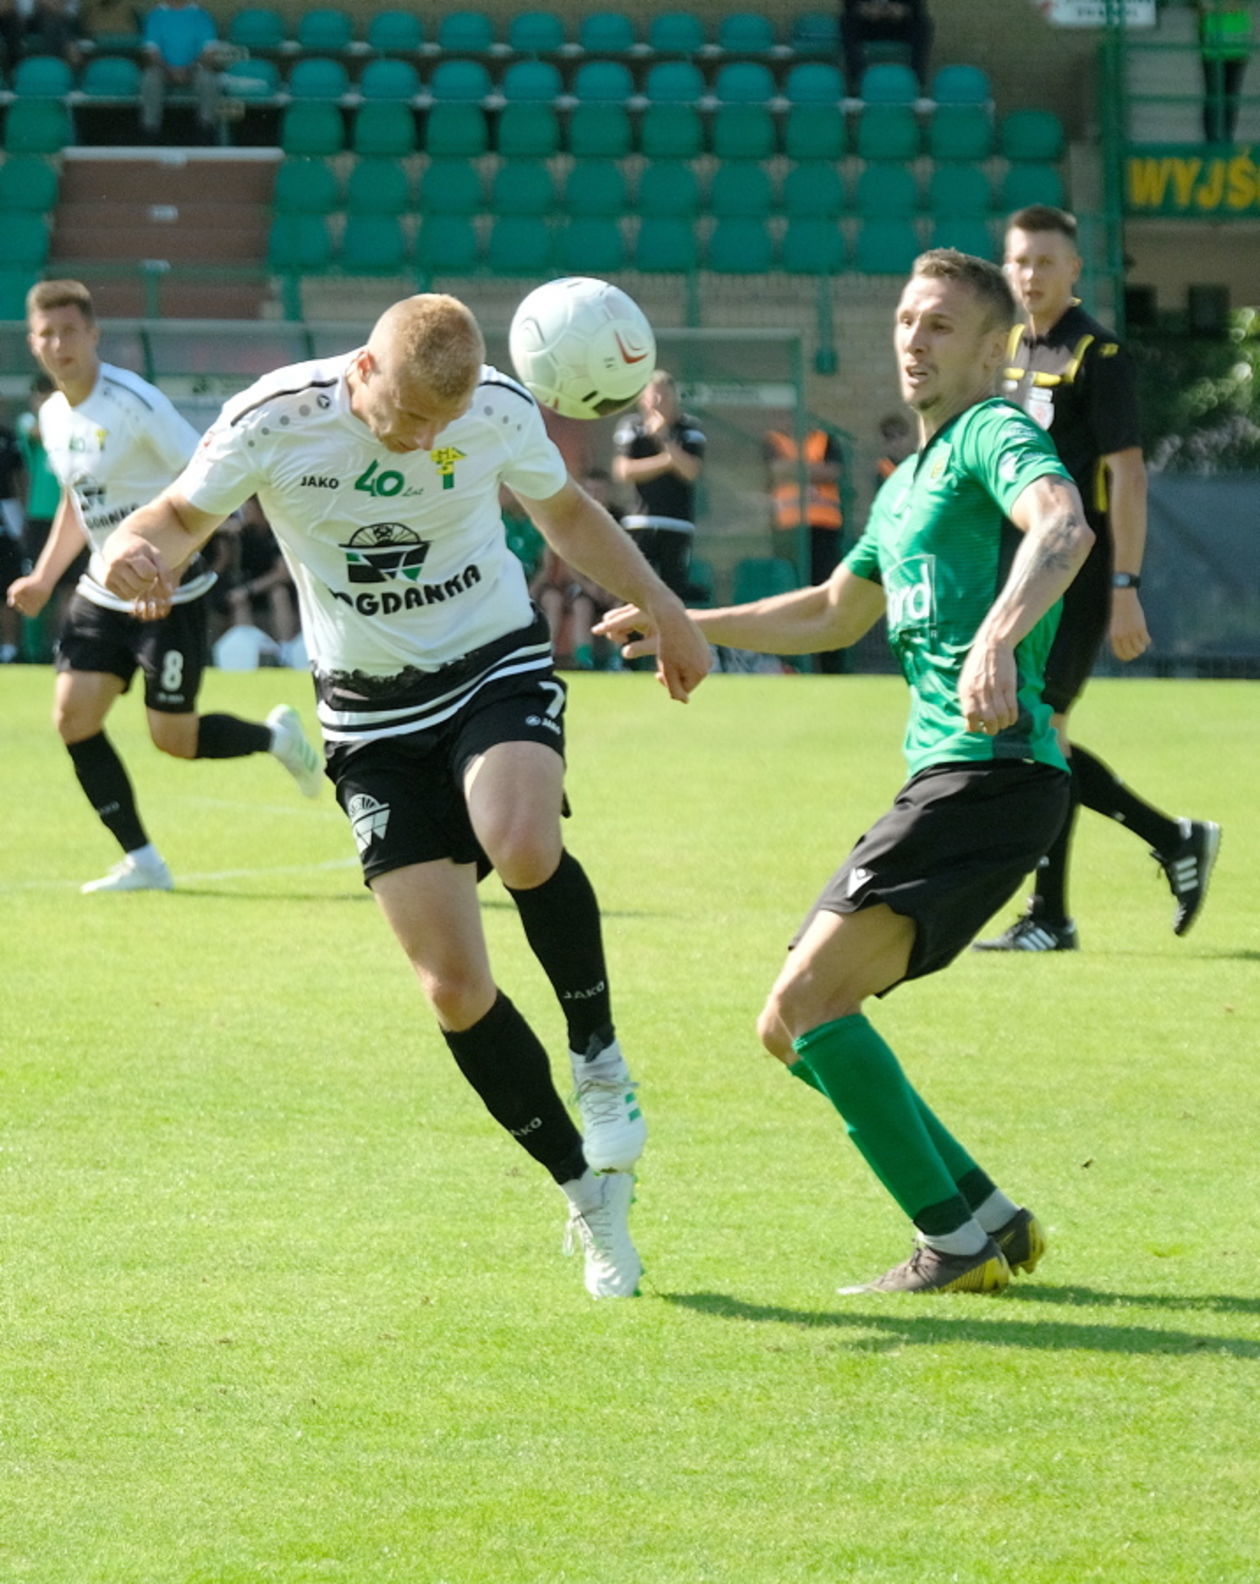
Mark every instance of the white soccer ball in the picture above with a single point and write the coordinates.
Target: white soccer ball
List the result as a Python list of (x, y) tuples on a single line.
[(582, 347)]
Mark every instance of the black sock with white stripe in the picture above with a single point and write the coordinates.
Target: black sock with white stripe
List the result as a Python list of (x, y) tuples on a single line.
[(1101, 789), (562, 926)]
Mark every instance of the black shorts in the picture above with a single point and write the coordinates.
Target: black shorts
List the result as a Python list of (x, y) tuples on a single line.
[(1082, 628), (173, 653), (953, 849), (404, 796)]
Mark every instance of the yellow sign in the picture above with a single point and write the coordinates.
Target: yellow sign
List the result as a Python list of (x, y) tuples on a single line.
[(1196, 182)]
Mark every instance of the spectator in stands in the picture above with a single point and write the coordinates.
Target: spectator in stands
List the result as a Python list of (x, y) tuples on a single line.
[(896, 443), (660, 451), (254, 601), (816, 465), (43, 495), (864, 22), (54, 27), (10, 35), (570, 602), (12, 488), (1225, 44), (180, 39)]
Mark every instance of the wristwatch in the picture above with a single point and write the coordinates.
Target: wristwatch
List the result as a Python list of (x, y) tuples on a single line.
[(1126, 580)]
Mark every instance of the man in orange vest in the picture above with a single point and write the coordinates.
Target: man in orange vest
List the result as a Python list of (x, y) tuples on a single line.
[(805, 491)]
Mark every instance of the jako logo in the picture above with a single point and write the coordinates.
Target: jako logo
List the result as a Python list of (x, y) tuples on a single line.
[(317, 481)]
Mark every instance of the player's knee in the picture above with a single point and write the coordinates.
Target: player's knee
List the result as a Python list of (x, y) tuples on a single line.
[(523, 858), (772, 1033), (174, 735), (458, 1000)]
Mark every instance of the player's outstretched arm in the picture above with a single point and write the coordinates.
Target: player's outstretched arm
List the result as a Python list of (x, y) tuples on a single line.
[(1056, 541), (145, 552)]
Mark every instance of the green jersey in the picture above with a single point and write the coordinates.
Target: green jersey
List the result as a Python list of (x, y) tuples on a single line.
[(940, 543)]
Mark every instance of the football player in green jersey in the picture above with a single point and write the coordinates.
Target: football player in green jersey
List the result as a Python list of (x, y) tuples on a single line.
[(968, 550)]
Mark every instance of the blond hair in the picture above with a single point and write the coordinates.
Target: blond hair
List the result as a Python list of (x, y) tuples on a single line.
[(984, 279), (44, 296), (435, 340)]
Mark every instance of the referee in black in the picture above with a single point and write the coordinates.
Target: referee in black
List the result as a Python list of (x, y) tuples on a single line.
[(1072, 375)]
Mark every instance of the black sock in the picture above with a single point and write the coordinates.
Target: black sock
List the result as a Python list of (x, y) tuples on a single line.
[(1050, 882), (104, 779), (227, 737), (561, 920), (975, 1186), (1100, 789), (503, 1059)]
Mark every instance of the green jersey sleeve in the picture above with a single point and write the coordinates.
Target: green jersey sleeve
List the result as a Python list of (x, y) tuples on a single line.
[(1006, 451)]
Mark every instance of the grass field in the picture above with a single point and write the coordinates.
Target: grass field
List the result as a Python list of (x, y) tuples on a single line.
[(280, 1305)]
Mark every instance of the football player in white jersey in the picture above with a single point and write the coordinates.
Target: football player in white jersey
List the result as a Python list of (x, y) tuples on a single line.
[(442, 716), (114, 441)]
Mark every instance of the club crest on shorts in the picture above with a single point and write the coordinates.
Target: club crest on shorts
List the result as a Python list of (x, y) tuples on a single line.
[(369, 819)]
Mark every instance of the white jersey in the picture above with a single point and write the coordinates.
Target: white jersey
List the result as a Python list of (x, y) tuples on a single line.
[(117, 450), (403, 571)]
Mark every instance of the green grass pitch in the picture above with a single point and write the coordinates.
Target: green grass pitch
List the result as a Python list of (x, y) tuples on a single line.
[(279, 1304)]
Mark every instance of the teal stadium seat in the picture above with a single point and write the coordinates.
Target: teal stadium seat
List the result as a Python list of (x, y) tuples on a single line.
[(299, 244), (257, 28), (967, 233), (676, 33), (1035, 135), (813, 83), (318, 77), (519, 245), (741, 192), (599, 131), (960, 132), (24, 240), (111, 77), (386, 128), (312, 127), (460, 82), (450, 187), (527, 131), (465, 33), (447, 245), (595, 189), (815, 33), (535, 33), (306, 186), (746, 33), (814, 132), (761, 577), (743, 132), (665, 246), (607, 33), (390, 79), (602, 82), (28, 183), (591, 245), (743, 83), (531, 82), (674, 83), (886, 247), (888, 132), (522, 187), (668, 189), (37, 126), (324, 30), (813, 190), (888, 83), (373, 244), (42, 77), (812, 246), (255, 80), (961, 85), (671, 131), (1028, 184), (959, 190), (451, 131), (14, 285), (396, 33), (378, 187), (740, 246), (885, 192)]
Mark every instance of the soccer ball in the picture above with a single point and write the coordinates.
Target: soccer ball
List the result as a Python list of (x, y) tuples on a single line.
[(582, 347)]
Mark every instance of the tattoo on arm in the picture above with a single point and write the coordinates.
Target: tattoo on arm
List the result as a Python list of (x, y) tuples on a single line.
[(1056, 547)]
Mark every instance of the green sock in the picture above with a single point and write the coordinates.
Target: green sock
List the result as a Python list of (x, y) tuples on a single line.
[(800, 1070), (862, 1078)]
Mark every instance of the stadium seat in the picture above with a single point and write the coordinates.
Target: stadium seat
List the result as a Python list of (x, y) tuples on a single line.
[(255, 80), (535, 33), (396, 33), (1032, 184), (591, 245), (967, 233), (668, 189), (675, 33), (1035, 135), (740, 192), (385, 128), (522, 187), (888, 132), (813, 83), (14, 285), (960, 132), (531, 82), (956, 190), (37, 126), (602, 82), (665, 245), (465, 33), (812, 247), (760, 577), (450, 187), (671, 131), (305, 186), (24, 240), (528, 131), (312, 127), (378, 187), (813, 190), (28, 183), (740, 246), (299, 243), (888, 83), (447, 244), (324, 30), (814, 132), (519, 245), (746, 33), (595, 189), (42, 77), (460, 82), (743, 132), (111, 77), (390, 79), (674, 83), (886, 247), (743, 83), (815, 33), (451, 131), (318, 77), (257, 28), (607, 33), (961, 85), (599, 131), (373, 244), (885, 192)]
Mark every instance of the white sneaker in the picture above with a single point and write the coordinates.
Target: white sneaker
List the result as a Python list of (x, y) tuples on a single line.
[(290, 747), (613, 1129), (134, 874), (599, 1219)]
